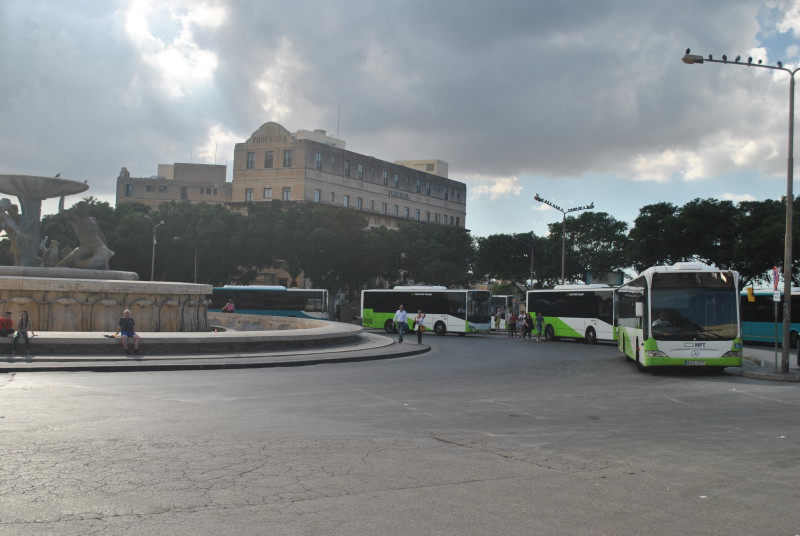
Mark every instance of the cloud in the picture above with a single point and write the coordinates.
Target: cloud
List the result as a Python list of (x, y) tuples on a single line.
[(499, 90), (497, 188)]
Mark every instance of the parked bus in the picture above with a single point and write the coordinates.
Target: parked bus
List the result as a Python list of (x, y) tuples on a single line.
[(682, 315), (272, 300), (446, 310), (581, 312), (759, 321), (504, 305)]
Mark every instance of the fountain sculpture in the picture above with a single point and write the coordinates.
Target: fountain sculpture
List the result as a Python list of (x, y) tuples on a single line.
[(75, 290)]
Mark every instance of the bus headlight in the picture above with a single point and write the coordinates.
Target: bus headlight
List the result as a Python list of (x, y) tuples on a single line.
[(733, 353), (654, 353)]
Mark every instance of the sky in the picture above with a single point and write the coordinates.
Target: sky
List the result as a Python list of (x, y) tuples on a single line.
[(578, 101)]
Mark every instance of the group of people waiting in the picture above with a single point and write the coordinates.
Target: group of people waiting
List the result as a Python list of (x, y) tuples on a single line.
[(526, 324)]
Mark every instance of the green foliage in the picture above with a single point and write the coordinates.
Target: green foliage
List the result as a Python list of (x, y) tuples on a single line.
[(335, 250)]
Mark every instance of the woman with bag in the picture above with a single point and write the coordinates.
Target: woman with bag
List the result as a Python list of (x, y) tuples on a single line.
[(419, 327)]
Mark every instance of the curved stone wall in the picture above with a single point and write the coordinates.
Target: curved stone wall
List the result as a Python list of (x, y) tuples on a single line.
[(57, 304)]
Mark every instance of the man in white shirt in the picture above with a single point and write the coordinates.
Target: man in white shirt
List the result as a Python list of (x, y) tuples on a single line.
[(401, 321)]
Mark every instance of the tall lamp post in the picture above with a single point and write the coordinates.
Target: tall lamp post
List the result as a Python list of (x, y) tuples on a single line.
[(153, 256), (178, 238), (693, 59), (563, 227)]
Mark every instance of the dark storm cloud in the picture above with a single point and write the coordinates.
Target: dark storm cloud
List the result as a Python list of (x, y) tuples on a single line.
[(496, 89)]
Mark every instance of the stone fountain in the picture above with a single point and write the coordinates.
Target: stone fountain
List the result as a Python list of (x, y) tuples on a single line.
[(74, 290)]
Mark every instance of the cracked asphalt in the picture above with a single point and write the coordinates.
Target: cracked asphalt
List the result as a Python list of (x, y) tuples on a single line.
[(482, 435)]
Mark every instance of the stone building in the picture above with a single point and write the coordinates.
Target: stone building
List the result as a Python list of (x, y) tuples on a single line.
[(196, 183), (315, 168)]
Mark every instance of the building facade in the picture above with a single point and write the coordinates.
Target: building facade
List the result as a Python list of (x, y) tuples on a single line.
[(312, 167), (196, 183)]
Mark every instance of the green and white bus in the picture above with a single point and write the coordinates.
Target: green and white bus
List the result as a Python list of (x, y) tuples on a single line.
[(683, 315), (446, 310), (580, 312)]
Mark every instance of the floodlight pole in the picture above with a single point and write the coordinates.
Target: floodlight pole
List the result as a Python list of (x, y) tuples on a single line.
[(153, 256), (787, 239), (563, 227)]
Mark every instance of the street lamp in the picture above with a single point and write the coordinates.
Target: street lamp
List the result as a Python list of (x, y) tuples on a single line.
[(178, 238), (563, 226), (153, 256), (692, 59)]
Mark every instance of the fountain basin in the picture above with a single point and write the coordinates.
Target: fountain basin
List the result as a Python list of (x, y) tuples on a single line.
[(77, 305)]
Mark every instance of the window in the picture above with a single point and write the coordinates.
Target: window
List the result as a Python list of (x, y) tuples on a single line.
[(428, 215), (436, 217), (451, 220), (150, 188), (446, 193), (184, 193), (405, 213), (395, 211), (458, 221), (318, 161), (248, 194), (360, 204), (385, 178), (384, 208), (361, 172), (347, 168), (346, 201), (163, 189), (397, 180), (418, 186), (287, 158), (268, 159), (333, 197), (128, 190), (428, 188), (428, 167), (267, 193), (333, 162), (317, 195), (286, 194), (416, 214), (458, 194), (251, 160)]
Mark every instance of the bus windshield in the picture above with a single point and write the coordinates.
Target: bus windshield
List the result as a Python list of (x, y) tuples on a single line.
[(479, 304), (692, 314)]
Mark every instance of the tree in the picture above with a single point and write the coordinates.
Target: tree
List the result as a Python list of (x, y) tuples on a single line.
[(515, 258), (437, 254), (598, 244), (655, 237)]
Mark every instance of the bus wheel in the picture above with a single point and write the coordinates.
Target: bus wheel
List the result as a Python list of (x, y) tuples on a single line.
[(440, 328), (591, 336), (549, 334), (388, 326)]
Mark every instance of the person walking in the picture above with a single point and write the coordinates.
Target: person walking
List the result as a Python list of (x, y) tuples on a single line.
[(24, 325), (401, 321), (512, 325), (127, 330), (419, 325), (528, 326), (539, 325)]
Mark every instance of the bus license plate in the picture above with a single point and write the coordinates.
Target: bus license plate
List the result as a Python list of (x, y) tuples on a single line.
[(695, 363)]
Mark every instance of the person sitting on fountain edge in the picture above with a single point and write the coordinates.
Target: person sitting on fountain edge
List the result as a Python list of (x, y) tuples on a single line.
[(126, 330)]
